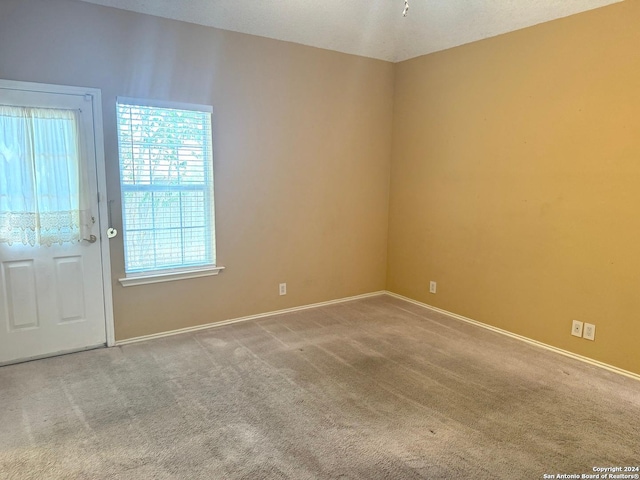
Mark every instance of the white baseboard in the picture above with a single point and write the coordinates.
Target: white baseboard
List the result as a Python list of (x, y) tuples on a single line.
[(245, 319), (566, 353)]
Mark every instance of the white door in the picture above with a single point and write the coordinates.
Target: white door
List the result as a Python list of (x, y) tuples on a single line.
[(51, 296)]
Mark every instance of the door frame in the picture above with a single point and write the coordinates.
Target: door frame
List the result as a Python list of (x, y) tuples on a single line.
[(95, 95)]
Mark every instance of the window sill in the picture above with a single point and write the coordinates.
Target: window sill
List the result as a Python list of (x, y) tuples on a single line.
[(145, 279)]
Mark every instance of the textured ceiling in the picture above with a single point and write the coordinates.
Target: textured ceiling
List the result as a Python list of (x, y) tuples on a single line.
[(371, 28)]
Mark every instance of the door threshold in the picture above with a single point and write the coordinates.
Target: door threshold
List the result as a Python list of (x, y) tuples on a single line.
[(50, 355)]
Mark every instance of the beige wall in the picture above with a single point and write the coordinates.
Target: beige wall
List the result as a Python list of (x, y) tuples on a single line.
[(516, 182), (302, 142)]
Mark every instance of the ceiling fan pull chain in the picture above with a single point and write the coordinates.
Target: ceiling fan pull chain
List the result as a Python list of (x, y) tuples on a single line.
[(406, 8)]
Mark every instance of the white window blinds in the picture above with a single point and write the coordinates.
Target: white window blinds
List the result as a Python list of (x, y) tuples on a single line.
[(166, 174)]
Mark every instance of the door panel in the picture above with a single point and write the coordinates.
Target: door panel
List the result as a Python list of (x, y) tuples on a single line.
[(52, 297), (20, 292), (70, 288)]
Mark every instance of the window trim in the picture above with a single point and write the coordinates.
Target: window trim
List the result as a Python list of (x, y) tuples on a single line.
[(178, 273), (146, 102), (169, 275)]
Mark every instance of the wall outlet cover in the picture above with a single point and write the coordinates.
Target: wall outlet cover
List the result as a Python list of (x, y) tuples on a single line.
[(576, 328), (589, 331)]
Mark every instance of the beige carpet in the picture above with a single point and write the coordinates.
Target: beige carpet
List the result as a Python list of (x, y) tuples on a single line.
[(371, 389)]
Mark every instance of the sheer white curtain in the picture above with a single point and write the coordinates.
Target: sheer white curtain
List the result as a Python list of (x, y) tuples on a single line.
[(44, 194)]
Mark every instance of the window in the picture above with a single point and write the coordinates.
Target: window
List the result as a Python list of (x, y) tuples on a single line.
[(166, 178), (44, 197)]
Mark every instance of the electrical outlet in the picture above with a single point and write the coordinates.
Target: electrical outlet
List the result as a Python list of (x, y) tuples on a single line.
[(432, 287), (589, 331), (283, 289), (576, 328)]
